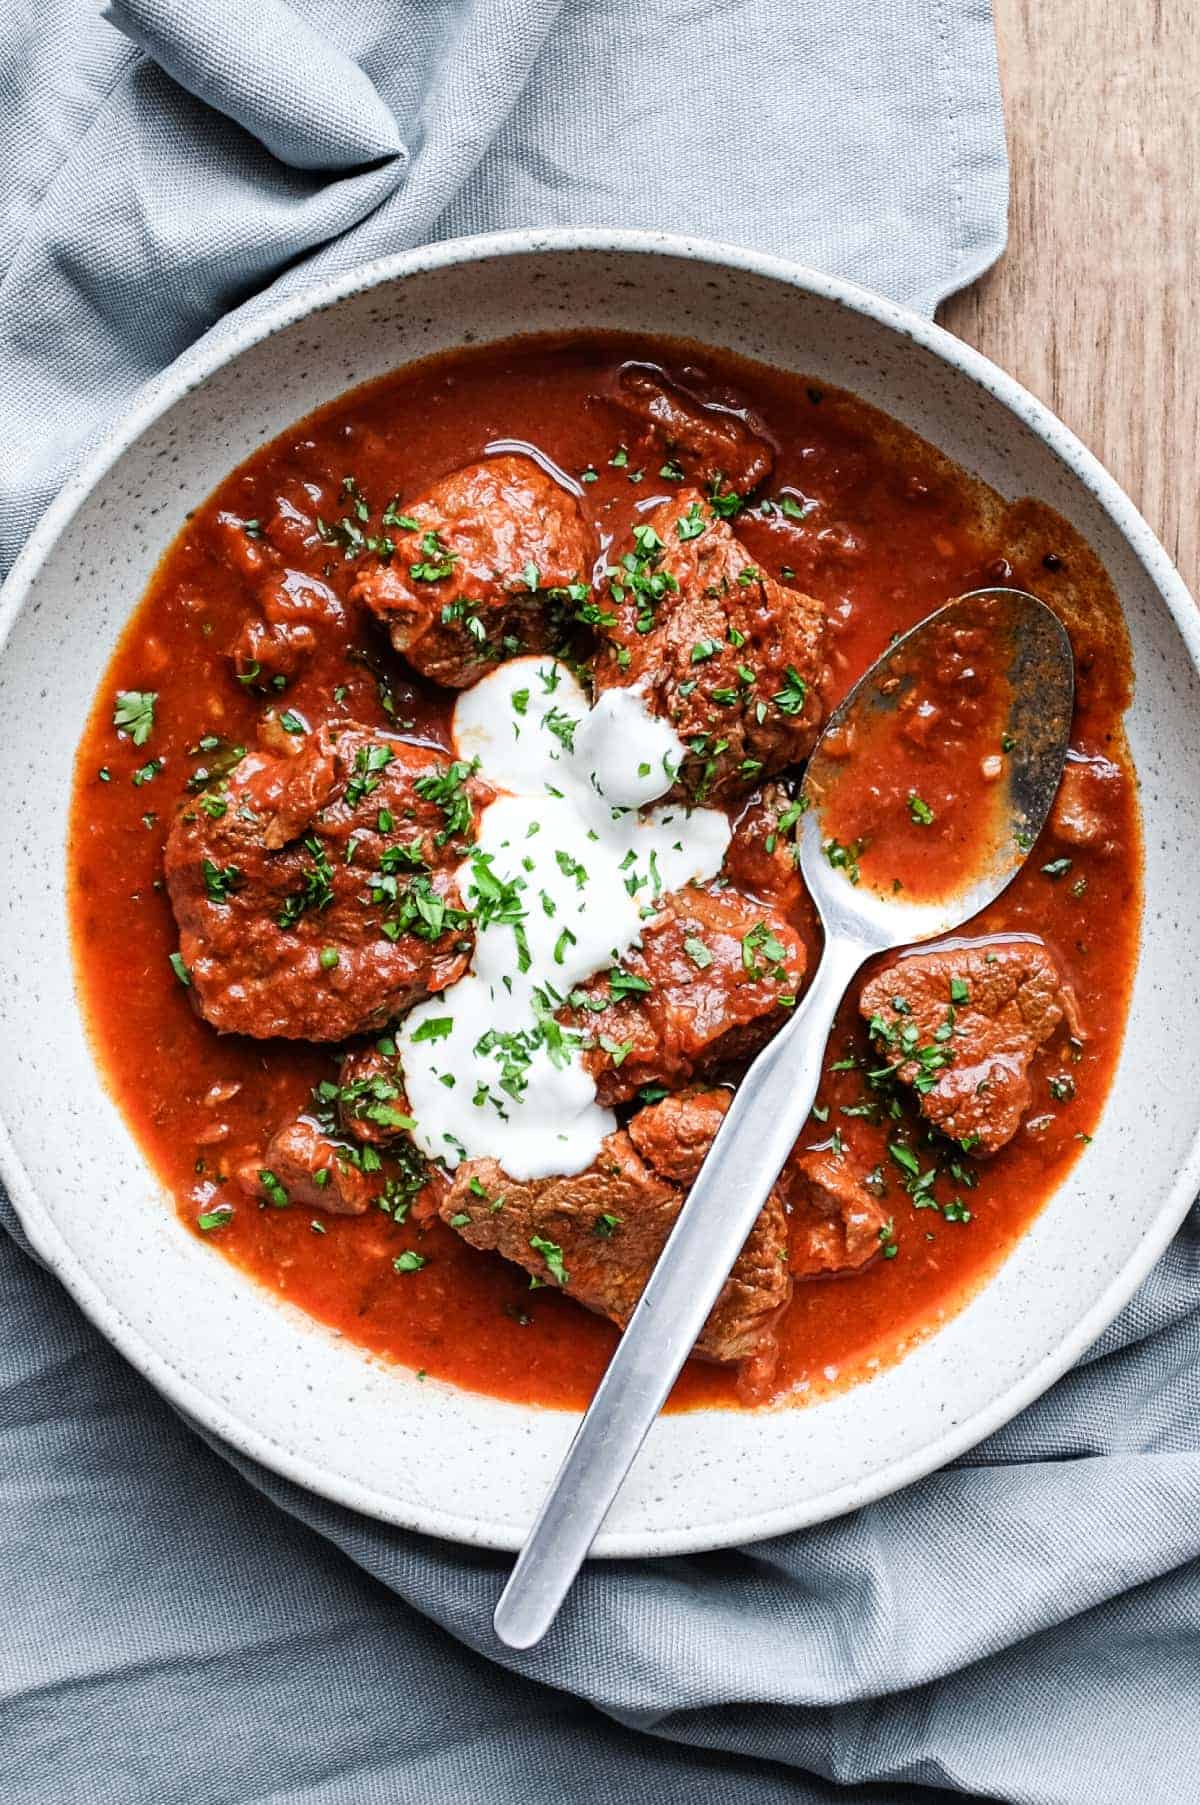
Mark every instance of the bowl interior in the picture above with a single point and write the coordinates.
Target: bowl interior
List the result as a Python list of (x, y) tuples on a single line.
[(289, 1392)]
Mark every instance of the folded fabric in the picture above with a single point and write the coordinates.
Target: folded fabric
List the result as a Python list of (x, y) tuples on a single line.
[(185, 1626)]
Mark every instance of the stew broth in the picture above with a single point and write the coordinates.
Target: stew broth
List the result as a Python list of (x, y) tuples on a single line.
[(881, 529)]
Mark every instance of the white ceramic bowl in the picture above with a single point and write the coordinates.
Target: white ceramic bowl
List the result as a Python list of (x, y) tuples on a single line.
[(283, 1389)]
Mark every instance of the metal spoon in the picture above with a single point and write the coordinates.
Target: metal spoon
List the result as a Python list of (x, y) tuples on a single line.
[(1028, 647)]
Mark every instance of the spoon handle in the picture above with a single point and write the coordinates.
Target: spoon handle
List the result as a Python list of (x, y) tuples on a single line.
[(769, 1110)]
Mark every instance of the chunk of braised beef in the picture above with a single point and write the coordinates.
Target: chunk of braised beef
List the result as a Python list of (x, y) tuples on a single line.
[(761, 858), (714, 977), (725, 653), (485, 566), (1085, 807), (713, 445), (305, 1166), (675, 1134), (598, 1235), (316, 895), (370, 1097), (836, 1223), (962, 1025), (291, 605)]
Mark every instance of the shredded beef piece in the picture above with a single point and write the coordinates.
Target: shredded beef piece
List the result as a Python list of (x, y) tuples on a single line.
[(761, 857), (835, 1220), (316, 895), (604, 1229), (310, 1169), (715, 445), (964, 1025), (472, 584), (730, 657), (721, 974)]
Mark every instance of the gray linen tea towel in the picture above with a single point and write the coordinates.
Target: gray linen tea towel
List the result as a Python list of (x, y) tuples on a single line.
[(184, 1626)]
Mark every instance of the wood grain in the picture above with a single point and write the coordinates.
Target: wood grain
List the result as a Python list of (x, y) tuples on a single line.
[(1096, 304)]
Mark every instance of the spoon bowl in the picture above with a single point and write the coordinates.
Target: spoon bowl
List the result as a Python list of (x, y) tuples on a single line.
[(994, 672), (1016, 656)]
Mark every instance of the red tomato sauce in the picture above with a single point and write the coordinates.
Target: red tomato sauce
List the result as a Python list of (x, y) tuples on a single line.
[(894, 532)]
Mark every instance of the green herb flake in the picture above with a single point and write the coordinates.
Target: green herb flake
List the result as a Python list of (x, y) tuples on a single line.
[(437, 1027), (133, 713), (553, 1256), (276, 1196)]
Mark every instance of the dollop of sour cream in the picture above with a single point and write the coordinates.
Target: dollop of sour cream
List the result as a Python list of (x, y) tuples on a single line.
[(568, 865)]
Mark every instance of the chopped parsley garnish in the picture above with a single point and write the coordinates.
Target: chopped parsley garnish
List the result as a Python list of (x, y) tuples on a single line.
[(562, 726), (316, 885), (1057, 868), (369, 764), (447, 790), (417, 909), (553, 1256), (845, 858), (623, 983), (919, 810), (408, 1261), (792, 508), (392, 517), (228, 757), (905, 1158), (276, 1196), (762, 953), (134, 713), (638, 577), (180, 969), (219, 881), (724, 505), (699, 954), (437, 560), (217, 1217), (791, 698), (437, 1027), (606, 1226), (571, 868)]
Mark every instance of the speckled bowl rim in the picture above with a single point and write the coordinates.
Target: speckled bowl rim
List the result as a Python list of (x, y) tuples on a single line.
[(193, 369)]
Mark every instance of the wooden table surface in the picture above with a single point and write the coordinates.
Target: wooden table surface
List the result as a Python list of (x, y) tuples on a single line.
[(1095, 305)]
